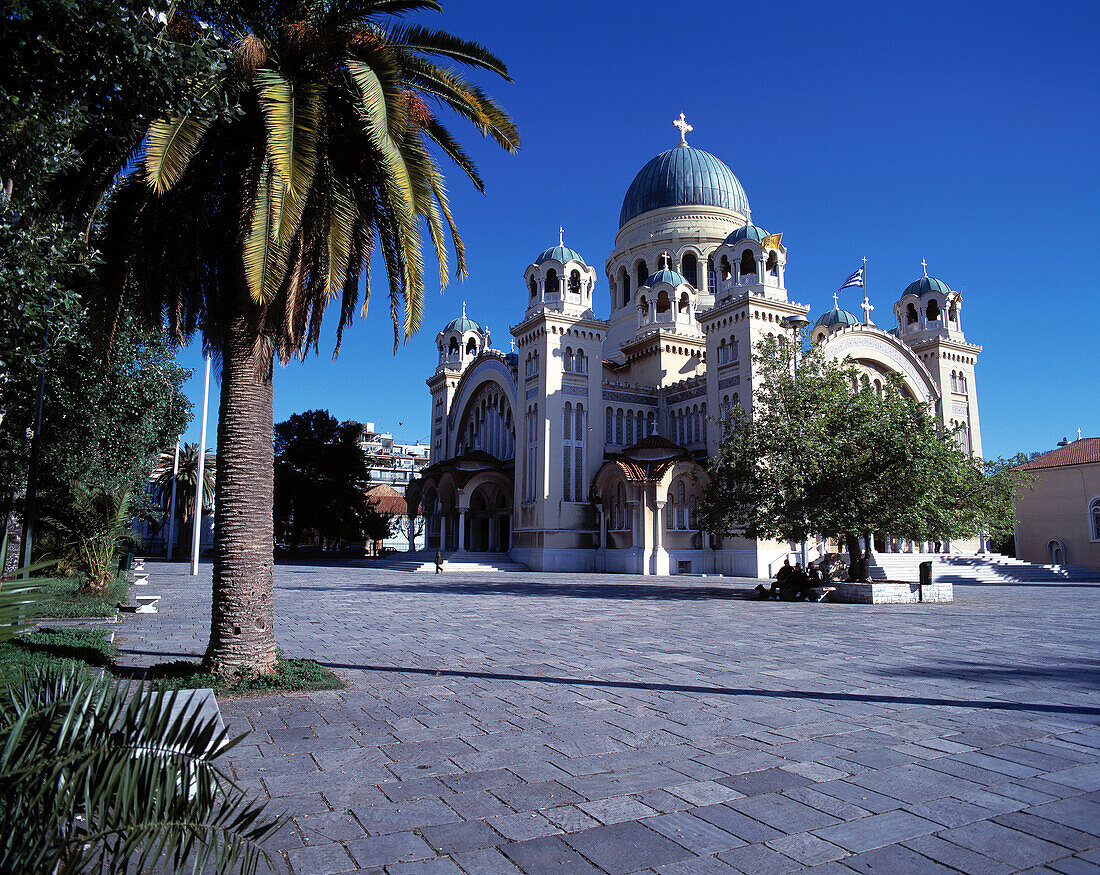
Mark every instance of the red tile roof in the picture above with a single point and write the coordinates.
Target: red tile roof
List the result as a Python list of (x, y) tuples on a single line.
[(386, 499), (1081, 452)]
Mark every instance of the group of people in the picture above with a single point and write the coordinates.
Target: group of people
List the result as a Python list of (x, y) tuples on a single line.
[(794, 583)]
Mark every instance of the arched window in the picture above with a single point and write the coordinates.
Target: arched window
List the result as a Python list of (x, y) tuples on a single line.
[(1094, 519), (689, 267), (748, 264), (568, 358), (630, 440), (620, 506), (933, 309), (624, 283), (574, 282), (609, 430), (911, 314), (962, 382), (551, 282), (724, 269), (452, 349), (735, 349), (580, 438), (567, 452), (651, 423), (683, 307), (533, 286), (643, 306), (772, 266), (953, 312), (712, 276), (954, 382), (662, 302), (471, 346), (580, 363), (641, 273), (681, 505), (619, 426)]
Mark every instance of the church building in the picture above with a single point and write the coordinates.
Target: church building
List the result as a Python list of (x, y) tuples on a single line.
[(585, 447)]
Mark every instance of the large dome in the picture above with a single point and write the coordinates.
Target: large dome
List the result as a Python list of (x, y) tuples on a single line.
[(683, 176)]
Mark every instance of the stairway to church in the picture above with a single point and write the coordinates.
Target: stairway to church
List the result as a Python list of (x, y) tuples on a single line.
[(968, 567), (456, 562)]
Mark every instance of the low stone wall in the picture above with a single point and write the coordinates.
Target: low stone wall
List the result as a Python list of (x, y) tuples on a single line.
[(882, 592)]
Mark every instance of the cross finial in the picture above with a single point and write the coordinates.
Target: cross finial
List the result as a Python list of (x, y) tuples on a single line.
[(512, 343), (561, 235), (684, 128), (463, 309), (924, 264), (1078, 434), (836, 302), (867, 308)]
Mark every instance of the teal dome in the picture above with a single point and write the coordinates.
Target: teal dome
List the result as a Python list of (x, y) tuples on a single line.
[(664, 275), (463, 324), (683, 176), (836, 316), (748, 232), (560, 253), (925, 285)]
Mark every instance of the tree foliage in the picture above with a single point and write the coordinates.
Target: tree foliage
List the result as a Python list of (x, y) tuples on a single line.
[(320, 477), (823, 453)]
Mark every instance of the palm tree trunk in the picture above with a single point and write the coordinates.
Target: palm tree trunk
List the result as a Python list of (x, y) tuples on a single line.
[(242, 627)]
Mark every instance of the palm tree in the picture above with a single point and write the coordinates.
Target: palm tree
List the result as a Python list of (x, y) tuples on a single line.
[(187, 475), (254, 214)]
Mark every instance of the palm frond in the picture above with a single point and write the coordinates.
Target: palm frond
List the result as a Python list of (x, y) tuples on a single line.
[(456, 239), (169, 147), (291, 117), (438, 42), (442, 138), (341, 227), (97, 774), (265, 253)]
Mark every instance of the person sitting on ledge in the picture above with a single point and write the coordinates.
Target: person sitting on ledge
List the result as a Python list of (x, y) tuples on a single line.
[(797, 585), (781, 576)]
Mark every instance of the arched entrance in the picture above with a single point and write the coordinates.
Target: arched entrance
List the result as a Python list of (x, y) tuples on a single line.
[(489, 519), (1057, 552)]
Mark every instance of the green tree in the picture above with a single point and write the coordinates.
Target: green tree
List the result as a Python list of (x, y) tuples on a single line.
[(82, 81), (320, 477), (246, 225), (822, 453)]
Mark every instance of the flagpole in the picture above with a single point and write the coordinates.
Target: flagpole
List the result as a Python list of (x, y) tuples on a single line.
[(866, 300)]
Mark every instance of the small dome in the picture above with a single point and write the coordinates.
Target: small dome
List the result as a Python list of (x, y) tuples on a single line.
[(748, 232), (560, 253), (664, 275), (836, 316), (683, 176), (463, 324), (925, 285)]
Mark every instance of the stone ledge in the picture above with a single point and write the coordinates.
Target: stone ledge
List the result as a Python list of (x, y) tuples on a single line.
[(881, 592)]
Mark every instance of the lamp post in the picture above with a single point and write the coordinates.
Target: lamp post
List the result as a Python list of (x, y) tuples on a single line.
[(797, 324)]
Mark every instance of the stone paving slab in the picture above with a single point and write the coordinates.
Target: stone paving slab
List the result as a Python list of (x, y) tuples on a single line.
[(609, 724)]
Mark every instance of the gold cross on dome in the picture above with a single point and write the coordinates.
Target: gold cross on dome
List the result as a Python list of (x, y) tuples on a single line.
[(684, 128)]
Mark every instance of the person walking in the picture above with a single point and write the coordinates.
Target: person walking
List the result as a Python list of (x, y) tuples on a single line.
[(438, 560)]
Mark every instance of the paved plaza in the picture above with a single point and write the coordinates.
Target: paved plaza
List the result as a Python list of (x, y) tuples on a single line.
[(525, 722)]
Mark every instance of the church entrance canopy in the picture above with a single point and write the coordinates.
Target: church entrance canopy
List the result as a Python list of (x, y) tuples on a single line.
[(466, 503)]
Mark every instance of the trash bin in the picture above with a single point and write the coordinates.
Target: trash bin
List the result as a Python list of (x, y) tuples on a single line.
[(125, 561), (925, 579)]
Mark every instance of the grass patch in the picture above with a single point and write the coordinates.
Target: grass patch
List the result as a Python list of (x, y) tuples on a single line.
[(43, 647), (92, 649), (290, 676), (61, 597)]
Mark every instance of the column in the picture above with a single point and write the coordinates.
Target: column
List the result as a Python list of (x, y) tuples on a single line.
[(443, 531), (462, 531), (760, 270), (492, 545), (603, 528)]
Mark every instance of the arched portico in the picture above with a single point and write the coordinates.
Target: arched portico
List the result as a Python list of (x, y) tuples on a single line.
[(467, 503)]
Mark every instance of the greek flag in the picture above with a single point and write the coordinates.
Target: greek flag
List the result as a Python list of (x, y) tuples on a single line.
[(856, 279)]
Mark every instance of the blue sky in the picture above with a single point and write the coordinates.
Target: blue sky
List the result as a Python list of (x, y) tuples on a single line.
[(962, 133)]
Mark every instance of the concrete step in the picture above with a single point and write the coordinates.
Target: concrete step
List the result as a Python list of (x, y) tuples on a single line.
[(455, 562), (990, 568)]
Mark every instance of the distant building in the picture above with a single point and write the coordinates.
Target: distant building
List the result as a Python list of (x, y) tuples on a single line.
[(392, 466), (1058, 520)]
